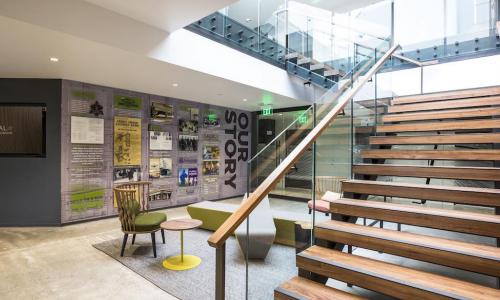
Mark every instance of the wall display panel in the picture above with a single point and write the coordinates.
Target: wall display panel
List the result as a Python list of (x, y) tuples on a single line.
[(160, 140), (162, 112), (188, 119), (87, 130), (127, 141), (148, 137)]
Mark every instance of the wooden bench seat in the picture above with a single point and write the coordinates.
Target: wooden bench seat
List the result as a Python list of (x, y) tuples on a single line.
[(299, 288), (451, 172), (389, 279), (454, 194), (466, 256), (446, 219)]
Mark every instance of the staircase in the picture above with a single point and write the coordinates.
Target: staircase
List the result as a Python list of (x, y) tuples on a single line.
[(449, 138)]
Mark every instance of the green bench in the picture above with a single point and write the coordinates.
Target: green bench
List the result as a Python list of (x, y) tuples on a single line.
[(213, 214)]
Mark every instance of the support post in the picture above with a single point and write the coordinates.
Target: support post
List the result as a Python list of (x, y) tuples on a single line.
[(220, 272)]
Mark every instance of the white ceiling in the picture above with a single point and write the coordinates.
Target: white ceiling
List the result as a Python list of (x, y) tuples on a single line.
[(26, 50), (102, 47), (339, 6), (168, 15)]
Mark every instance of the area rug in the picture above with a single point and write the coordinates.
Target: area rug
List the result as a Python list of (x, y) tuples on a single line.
[(199, 283)]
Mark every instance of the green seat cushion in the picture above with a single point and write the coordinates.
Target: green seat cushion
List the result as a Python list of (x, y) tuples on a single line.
[(149, 221)]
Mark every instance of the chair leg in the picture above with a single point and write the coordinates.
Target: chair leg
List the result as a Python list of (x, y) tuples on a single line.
[(133, 239), (153, 242), (163, 236), (124, 243)]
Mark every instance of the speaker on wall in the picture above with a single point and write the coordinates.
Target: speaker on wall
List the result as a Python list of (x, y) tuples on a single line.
[(267, 130)]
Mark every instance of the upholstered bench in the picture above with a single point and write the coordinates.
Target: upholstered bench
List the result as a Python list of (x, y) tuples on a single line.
[(213, 214)]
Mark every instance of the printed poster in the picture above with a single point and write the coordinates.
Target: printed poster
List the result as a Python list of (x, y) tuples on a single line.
[(188, 177), (161, 112), (127, 141), (87, 130), (160, 140), (160, 167)]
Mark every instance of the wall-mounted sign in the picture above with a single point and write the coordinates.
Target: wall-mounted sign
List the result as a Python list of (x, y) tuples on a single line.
[(236, 146), (267, 111), (125, 102)]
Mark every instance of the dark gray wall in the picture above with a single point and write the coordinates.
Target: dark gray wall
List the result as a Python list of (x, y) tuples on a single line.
[(30, 188)]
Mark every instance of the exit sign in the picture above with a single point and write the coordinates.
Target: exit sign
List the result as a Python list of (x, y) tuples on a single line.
[(303, 118), (267, 111)]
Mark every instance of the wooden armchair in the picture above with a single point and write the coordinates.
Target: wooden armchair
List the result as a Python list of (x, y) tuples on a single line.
[(134, 217)]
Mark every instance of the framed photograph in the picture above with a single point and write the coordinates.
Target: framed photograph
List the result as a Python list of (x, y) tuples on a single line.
[(124, 175), (211, 152), (160, 167), (210, 168), (161, 112), (160, 140), (188, 177), (188, 143)]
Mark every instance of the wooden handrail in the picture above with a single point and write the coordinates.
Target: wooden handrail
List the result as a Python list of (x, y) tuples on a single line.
[(219, 237)]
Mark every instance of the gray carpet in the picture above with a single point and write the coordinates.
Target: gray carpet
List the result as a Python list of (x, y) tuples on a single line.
[(199, 283)]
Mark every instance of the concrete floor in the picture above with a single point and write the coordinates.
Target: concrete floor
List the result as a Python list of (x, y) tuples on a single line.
[(60, 262)]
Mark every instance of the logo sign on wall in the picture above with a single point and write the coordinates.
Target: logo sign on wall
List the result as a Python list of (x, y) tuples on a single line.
[(236, 146)]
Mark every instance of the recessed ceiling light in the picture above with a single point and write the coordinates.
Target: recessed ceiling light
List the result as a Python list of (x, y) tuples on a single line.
[(249, 20), (175, 84), (54, 59), (245, 100)]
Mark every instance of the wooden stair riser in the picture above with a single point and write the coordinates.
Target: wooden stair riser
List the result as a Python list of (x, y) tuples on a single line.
[(427, 254), (487, 174), (485, 155), (441, 126), (471, 93), (442, 114), (462, 103), (452, 139), (461, 197), (419, 219)]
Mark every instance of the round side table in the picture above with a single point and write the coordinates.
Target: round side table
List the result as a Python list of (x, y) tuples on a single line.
[(182, 261)]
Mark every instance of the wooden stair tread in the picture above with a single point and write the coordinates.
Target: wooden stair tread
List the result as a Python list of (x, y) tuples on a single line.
[(442, 114), (427, 186), (481, 154), (441, 126), (483, 251), (448, 172), (494, 219), (445, 219), (454, 194), (446, 104), (480, 92), (473, 138), (384, 277), (301, 288)]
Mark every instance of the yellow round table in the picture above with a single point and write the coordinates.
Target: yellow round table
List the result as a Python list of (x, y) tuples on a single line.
[(182, 261)]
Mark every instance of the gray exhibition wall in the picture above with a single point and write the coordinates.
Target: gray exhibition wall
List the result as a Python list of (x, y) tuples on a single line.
[(31, 186), (93, 165)]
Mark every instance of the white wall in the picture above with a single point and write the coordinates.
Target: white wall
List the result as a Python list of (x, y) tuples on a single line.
[(465, 74)]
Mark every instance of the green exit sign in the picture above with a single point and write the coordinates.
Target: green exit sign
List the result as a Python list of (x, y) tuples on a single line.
[(267, 111), (303, 119), (212, 117)]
